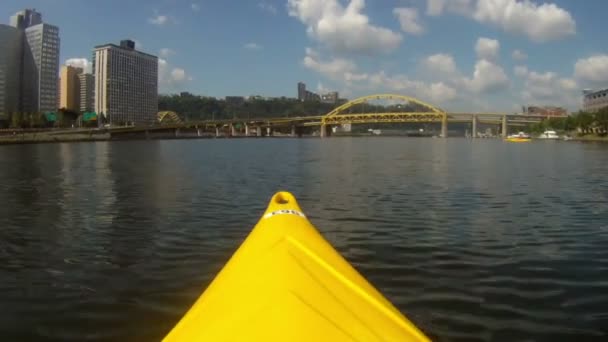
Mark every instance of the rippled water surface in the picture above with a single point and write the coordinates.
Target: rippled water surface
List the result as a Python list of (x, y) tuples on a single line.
[(472, 240)]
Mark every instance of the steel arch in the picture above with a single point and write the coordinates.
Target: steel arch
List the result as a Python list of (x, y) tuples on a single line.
[(168, 117)]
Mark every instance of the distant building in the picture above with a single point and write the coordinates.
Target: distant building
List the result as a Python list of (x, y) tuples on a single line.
[(547, 111), (11, 43), (331, 97), (126, 83), (595, 100), (310, 96), (38, 65), (301, 91), (26, 18), (69, 89), (86, 92)]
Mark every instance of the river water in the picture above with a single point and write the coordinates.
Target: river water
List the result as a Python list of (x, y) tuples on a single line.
[(472, 240)]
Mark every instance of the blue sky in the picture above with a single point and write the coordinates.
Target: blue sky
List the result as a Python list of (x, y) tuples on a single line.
[(458, 54)]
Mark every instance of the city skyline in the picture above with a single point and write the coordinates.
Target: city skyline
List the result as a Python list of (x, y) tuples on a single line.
[(545, 53)]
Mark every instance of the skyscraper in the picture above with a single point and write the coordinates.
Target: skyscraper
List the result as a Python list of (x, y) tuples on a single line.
[(11, 44), (39, 62), (301, 91), (126, 83), (26, 18), (87, 88), (70, 88)]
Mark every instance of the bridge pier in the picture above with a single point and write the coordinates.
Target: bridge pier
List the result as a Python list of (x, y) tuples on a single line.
[(268, 131), (293, 130), (474, 126), (232, 130), (504, 126), (444, 126), (258, 131), (176, 133), (246, 130), (217, 132), (198, 132), (325, 131)]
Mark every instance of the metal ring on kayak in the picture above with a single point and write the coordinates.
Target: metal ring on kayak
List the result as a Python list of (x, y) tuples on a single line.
[(284, 212)]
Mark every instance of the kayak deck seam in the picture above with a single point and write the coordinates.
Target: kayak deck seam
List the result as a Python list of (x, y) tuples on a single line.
[(331, 294)]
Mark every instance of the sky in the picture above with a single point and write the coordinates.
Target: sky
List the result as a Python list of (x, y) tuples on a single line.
[(461, 55)]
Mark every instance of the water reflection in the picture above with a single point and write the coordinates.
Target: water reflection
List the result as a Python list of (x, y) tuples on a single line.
[(473, 240)]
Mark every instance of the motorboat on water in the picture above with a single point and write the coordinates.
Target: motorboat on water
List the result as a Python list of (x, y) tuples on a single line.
[(551, 135), (519, 137)]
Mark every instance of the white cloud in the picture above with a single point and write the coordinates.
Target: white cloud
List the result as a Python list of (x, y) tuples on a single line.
[(487, 49), (593, 69), (548, 87), (179, 75), (540, 23), (83, 63), (520, 71), (166, 52), (252, 46), (519, 55), (408, 18), (437, 7), (195, 7), (338, 69), (487, 77), (171, 78), (343, 29), (159, 20), (267, 7), (441, 64)]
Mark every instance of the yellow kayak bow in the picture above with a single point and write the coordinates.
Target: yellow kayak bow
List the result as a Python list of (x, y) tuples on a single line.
[(287, 283)]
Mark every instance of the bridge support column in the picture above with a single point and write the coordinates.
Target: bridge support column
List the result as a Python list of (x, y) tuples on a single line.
[(258, 131), (504, 126), (176, 132), (268, 131), (444, 126), (246, 130), (293, 130), (217, 132), (474, 127), (198, 132), (325, 131), (232, 130)]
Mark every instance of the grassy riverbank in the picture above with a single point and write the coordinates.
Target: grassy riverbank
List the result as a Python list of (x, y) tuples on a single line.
[(592, 137)]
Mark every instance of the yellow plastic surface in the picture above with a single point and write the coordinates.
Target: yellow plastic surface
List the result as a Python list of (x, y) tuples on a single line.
[(287, 283), (519, 139)]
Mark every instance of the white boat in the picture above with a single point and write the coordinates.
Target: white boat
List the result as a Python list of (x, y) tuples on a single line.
[(521, 135), (549, 135)]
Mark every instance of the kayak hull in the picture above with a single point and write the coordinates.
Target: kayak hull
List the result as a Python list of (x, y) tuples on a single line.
[(287, 283)]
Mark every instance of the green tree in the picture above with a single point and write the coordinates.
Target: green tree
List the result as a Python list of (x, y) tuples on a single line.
[(601, 119), (585, 121)]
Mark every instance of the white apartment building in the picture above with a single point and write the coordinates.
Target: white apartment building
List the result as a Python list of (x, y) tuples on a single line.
[(126, 84)]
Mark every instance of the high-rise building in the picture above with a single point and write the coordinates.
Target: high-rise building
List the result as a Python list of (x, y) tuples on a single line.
[(301, 91), (594, 100), (40, 73), (26, 18), (69, 89), (87, 86), (38, 65), (126, 83), (11, 44)]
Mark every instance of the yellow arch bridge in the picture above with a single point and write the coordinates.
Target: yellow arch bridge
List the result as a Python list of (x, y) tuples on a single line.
[(342, 115)]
